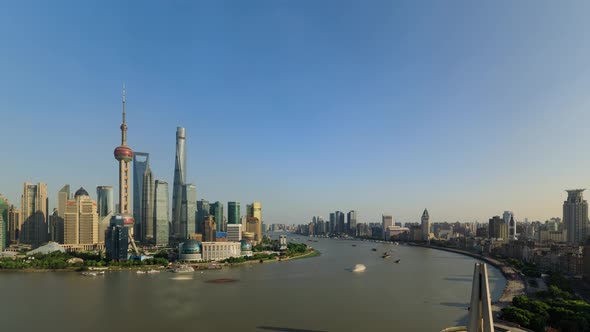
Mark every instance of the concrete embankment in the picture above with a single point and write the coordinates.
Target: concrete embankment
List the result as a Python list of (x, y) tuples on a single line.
[(515, 285)]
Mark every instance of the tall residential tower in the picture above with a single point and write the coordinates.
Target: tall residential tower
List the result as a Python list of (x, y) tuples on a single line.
[(575, 216)]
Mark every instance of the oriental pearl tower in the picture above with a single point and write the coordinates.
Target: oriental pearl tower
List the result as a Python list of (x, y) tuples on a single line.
[(124, 154)]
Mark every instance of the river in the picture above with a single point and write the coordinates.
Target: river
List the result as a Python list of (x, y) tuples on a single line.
[(427, 291)]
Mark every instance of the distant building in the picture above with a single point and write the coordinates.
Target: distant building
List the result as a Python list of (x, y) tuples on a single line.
[(14, 224), (340, 226), (386, 221), (179, 181), (253, 226), (575, 216), (282, 242), (234, 232), (203, 210), (188, 210), (4, 236), (117, 239), (141, 162), (508, 217), (56, 227), (190, 251), (425, 226), (233, 213), (216, 210), (81, 220), (216, 251), (104, 200), (209, 229), (351, 222), (147, 206), (34, 213), (497, 228), (255, 211), (161, 213)]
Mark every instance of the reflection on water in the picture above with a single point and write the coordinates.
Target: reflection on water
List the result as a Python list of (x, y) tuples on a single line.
[(424, 292)]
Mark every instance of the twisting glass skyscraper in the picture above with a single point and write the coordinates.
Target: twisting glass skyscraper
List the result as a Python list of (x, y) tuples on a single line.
[(179, 181)]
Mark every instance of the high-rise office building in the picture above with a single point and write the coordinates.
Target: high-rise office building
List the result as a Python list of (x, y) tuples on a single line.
[(233, 213), (255, 211), (203, 210), (340, 226), (141, 162), (117, 238), (216, 210), (386, 222), (56, 227), (234, 232), (161, 213), (81, 219), (351, 222), (425, 225), (188, 209), (106, 209), (105, 200), (209, 229), (34, 214), (63, 195), (575, 216), (14, 224), (179, 181), (4, 236), (332, 225), (252, 226), (147, 206), (497, 228)]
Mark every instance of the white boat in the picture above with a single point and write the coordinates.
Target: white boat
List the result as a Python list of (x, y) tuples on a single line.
[(184, 269), (359, 268), (141, 272), (92, 274), (153, 271)]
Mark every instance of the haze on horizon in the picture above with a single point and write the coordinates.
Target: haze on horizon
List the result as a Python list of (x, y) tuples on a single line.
[(467, 109)]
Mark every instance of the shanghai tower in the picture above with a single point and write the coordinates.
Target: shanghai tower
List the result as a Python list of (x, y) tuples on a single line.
[(179, 180)]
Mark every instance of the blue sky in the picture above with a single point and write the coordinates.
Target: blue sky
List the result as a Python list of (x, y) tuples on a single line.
[(467, 108)]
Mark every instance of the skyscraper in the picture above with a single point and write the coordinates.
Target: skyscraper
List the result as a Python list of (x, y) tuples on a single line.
[(425, 225), (179, 181), (147, 206), (386, 222), (507, 216), (161, 213), (203, 210), (233, 213), (332, 225), (216, 210), (253, 226), (63, 196), (34, 214), (209, 229), (497, 228), (141, 162), (255, 211), (56, 227), (575, 216), (340, 227), (14, 224), (106, 209), (351, 222), (81, 219), (4, 237), (188, 210)]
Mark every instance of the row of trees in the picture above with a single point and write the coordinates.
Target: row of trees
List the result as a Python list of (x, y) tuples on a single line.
[(59, 260)]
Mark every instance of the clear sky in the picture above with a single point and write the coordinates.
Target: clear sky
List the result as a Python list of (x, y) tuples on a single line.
[(467, 108)]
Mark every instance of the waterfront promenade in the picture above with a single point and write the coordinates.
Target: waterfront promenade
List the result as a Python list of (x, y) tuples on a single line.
[(515, 285)]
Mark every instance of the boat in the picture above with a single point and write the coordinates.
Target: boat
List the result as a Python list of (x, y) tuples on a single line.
[(354, 245), (141, 272), (184, 269), (374, 249), (397, 261), (386, 255), (153, 271), (359, 268), (92, 274)]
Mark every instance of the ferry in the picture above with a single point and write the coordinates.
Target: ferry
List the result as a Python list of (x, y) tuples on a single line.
[(93, 274), (359, 268), (386, 255), (397, 261), (141, 272)]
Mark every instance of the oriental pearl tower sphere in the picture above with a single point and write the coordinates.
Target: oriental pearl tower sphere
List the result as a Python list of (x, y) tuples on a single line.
[(124, 154)]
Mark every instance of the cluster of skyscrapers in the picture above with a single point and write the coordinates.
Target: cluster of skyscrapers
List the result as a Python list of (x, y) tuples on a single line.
[(86, 224)]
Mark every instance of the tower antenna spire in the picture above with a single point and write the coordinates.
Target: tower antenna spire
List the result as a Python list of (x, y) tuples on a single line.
[(123, 102)]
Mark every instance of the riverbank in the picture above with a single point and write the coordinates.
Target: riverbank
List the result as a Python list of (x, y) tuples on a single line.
[(515, 285), (309, 254)]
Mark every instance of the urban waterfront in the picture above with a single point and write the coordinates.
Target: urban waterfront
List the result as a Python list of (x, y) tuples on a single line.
[(427, 291)]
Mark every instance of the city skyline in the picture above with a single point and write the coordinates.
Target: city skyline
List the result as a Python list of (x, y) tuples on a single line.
[(410, 132)]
